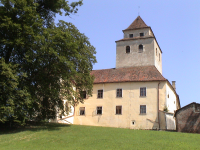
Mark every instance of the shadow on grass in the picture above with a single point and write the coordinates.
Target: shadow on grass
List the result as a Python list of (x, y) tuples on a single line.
[(170, 130), (33, 126)]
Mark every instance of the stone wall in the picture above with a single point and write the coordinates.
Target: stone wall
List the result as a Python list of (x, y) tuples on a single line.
[(188, 119), (135, 58)]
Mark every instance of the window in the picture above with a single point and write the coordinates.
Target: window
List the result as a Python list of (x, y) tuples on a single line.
[(83, 94), (159, 56), (119, 92), (100, 94), (197, 108), (82, 111), (143, 91), (133, 122), (118, 110), (130, 35), (140, 48), (127, 49), (99, 110), (142, 109), (156, 51), (141, 34)]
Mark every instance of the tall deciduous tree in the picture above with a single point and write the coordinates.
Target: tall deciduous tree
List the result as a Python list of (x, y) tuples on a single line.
[(41, 62)]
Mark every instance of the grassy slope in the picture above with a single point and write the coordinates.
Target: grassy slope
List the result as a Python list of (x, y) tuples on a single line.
[(58, 136)]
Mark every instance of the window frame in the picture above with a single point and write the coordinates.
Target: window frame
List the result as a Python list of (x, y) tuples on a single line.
[(116, 112), (159, 56), (142, 94), (128, 49), (80, 114), (133, 122), (141, 34), (85, 94), (101, 110), (156, 52), (143, 109), (118, 96), (101, 97), (140, 48), (130, 35)]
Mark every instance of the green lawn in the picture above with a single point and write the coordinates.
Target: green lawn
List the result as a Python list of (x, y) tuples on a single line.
[(59, 136)]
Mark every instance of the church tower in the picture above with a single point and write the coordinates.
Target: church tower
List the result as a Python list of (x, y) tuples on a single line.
[(139, 47)]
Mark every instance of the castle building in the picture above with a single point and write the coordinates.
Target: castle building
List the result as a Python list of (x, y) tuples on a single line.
[(135, 94)]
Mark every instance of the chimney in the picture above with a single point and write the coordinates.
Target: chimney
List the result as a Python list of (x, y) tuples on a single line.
[(174, 85)]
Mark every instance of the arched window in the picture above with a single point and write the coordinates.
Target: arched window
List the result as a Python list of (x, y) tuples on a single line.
[(127, 49), (140, 48)]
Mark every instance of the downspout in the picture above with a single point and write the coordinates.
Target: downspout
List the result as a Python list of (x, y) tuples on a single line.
[(158, 107)]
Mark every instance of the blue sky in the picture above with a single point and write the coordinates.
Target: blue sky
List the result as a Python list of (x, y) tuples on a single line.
[(176, 25)]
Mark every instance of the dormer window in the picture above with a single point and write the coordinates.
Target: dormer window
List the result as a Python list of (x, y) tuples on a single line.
[(141, 34), (130, 35), (127, 49), (140, 48)]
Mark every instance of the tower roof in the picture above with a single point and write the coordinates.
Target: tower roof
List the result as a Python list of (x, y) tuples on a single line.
[(137, 23)]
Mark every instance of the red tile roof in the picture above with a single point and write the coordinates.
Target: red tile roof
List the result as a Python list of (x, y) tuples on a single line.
[(140, 73), (137, 23)]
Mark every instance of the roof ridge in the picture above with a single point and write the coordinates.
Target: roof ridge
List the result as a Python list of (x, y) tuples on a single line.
[(126, 67), (137, 23), (103, 69), (128, 74)]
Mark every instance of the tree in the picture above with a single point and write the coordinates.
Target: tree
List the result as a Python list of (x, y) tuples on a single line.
[(41, 62)]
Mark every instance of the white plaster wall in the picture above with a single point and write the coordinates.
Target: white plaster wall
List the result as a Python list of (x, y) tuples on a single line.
[(68, 119), (170, 122), (170, 99)]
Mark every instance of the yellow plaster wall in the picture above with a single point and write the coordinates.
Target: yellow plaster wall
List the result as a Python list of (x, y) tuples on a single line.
[(130, 103)]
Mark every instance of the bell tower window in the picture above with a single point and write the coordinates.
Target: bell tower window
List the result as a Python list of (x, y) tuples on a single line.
[(127, 49), (141, 34), (140, 48), (130, 35)]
